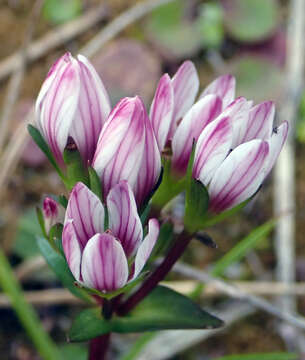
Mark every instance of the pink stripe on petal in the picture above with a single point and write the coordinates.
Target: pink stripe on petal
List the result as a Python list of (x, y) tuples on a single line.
[(224, 87), (124, 220), (238, 111), (58, 107), (146, 247), (161, 110), (260, 122), (120, 146), (72, 249), (191, 126), (104, 265), (276, 143), (212, 148), (150, 167), (239, 176), (93, 110), (86, 211), (185, 85)]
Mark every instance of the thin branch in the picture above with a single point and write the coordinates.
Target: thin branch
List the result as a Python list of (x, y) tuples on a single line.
[(237, 293), (53, 39), (17, 78), (284, 181), (167, 344), (45, 298)]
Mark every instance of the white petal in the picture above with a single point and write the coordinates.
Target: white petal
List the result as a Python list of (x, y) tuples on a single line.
[(260, 122), (146, 247), (224, 87), (212, 148), (239, 176), (161, 110), (191, 126), (185, 84), (276, 143), (72, 249), (104, 264), (86, 211), (124, 220)]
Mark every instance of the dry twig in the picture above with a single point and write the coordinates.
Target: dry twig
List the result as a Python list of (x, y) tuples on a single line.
[(239, 294), (53, 39)]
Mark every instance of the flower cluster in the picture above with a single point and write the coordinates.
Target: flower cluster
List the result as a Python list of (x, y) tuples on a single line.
[(236, 147)]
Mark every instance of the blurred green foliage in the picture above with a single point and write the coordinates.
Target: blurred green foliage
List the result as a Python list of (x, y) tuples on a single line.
[(60, 11)]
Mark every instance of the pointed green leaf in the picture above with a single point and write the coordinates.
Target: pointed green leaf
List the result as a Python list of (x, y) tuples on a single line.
[(60, 267), (196, 205), (162, 309), (76, 170), (43, 146), (95, 183), (40, 219)]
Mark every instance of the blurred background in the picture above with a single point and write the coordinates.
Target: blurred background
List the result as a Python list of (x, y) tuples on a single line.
[(132, 43)]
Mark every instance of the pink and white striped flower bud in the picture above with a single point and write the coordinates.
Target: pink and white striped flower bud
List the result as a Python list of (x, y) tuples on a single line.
[(172, 100), (223, 87), (72, 105), (196, 119), (236, 152), (53, 213), (98, 257), (127, 150)]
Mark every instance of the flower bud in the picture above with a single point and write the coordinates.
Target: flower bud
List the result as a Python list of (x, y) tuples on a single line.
[(127, 150), (53, 213), (72, 106), (99, 257)]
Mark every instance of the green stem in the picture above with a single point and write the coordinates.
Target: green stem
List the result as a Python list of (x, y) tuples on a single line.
[(25, 312)]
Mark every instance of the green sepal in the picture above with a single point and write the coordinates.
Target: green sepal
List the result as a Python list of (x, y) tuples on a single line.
[(110, 295), (162, 309), (43, 146), (40, 219), (169, 188), (55, 235), (196, 199), (95, 183), (62, 200), (76, 170), (61, 269)]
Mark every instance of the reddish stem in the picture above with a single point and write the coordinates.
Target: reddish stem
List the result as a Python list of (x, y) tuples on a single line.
[(98, 347), (158, 275)]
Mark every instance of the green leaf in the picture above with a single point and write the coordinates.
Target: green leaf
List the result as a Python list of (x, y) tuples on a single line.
[(210, 25), (173, 32), (62, 200), (196, 206), (261, 356), (137, 346), (43, 146), (162, 309), (74, 352), (169, 188), (95, 183), (196, 199), (26, 313), (59, 11), (76, 170), (60, 267), (242, 247), (25, 244), (40, 219), (251, 20)]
